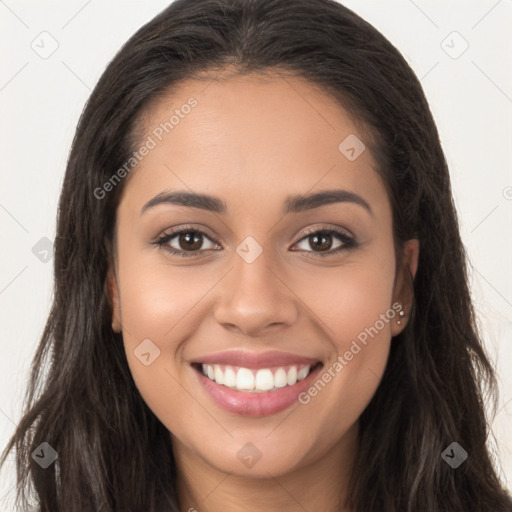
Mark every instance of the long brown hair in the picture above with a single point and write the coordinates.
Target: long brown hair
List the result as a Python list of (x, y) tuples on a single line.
[(114, 454)]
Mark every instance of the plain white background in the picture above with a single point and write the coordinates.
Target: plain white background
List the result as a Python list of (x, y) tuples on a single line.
[(460, 52)]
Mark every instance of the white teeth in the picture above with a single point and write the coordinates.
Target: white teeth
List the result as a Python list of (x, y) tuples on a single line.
[(219, 376), (302, 373), (245, 379), (280, 378), (264, 380), (229, 377), (291, 378)]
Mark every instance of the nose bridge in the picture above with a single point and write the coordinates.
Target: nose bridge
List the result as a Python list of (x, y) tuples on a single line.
[(254, 297)]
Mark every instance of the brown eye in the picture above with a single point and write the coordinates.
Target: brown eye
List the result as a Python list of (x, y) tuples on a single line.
[(322, 242), (326, 242), (186, 242), (190, 241)]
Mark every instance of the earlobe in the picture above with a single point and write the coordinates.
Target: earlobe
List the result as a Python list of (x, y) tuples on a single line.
[(404, 286), (114, 300)]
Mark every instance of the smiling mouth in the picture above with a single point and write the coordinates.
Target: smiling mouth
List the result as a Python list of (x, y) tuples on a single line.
[(252, 380)]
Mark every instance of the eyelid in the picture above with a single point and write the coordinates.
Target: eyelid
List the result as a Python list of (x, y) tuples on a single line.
[(186, 228), (336, 229)]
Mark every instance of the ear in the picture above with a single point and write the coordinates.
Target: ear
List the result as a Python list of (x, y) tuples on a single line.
[(404, 291), (113, 292)]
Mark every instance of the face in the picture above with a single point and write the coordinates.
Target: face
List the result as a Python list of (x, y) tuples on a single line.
[(286, 298)]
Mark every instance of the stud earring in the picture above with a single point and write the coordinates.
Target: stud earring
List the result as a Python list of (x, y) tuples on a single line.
[(401, 314)]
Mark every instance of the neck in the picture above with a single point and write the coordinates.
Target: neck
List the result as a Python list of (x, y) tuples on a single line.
[(321, 486)]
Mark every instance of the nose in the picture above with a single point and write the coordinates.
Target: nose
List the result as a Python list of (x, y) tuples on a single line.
[(255, 299)]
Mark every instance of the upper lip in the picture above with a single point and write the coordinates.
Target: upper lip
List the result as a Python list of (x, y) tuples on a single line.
[(247, 359)]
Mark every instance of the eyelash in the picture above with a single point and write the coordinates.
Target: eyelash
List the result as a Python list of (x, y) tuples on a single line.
[(348, 242)]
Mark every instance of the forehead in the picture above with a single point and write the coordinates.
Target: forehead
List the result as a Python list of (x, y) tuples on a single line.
[(254, 137)]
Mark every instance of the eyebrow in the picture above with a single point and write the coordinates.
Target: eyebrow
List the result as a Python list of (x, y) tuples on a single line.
[(292, 204)]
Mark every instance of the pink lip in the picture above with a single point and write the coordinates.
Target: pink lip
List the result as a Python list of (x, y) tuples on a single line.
[(256, 404), (255, 360)]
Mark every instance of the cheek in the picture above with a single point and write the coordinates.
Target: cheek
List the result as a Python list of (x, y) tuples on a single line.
[(167, 306), (154, 299), (159, 308), (350, 298), (354, 305)]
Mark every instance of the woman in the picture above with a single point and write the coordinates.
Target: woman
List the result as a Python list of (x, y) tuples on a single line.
[(261, 298)]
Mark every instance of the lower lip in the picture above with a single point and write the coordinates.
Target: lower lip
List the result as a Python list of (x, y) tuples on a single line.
[(256, 404)]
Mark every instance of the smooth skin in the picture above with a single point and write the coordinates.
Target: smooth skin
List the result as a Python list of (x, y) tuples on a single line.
[(252, 141)]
